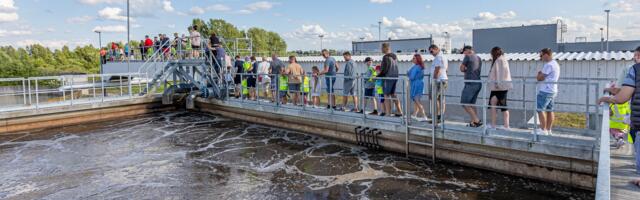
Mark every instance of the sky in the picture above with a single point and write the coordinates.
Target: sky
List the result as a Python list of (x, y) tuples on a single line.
[(55, 23)]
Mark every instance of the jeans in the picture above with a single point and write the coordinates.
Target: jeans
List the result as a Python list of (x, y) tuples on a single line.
[(636, 147)]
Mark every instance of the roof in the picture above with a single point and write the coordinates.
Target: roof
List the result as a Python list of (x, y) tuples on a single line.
[(563, 56)]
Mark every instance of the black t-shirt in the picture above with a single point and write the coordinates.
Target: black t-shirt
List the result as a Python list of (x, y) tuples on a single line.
[(214, 40)]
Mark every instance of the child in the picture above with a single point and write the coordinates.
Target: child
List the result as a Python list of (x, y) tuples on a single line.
[(370, 85), (283, 87), (619, 121), (379, 91), (315, 86), (228, 77)]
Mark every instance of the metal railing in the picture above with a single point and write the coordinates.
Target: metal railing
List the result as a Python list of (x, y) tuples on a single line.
[(603, 183), (35, 93)]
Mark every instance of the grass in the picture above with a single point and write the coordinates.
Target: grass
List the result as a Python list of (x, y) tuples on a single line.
[(571, 120)]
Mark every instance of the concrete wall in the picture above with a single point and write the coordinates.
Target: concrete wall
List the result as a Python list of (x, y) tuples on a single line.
[(11, 122)]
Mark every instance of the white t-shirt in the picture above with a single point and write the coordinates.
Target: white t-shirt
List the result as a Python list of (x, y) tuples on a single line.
[(443, 63), (263, 69), (551, 70), (195, 38)]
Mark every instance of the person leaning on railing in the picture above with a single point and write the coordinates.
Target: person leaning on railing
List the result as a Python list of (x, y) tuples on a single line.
[(630, 91)]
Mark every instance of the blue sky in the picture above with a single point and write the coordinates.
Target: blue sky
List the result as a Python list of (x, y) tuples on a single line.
[(71, 22)]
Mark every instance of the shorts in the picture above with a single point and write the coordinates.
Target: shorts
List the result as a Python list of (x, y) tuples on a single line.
[(441, 88), (283, 94), (330, 82), (294, 87), (389, 87), (470, 93), (368, 92), (544, 101), (194, 47), (382, 98), (502, 99), (251, 82), (349, 89)]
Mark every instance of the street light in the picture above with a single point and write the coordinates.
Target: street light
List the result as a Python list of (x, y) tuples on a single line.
[(100, 47), (607, 11), (379, 30), (321, 37), (601, 39)]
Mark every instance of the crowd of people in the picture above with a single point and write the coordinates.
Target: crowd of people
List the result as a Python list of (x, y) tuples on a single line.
[(289, 83), (180, 47)]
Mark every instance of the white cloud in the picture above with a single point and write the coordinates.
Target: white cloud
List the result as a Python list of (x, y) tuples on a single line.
[(55, 44), (8, 11), (489, 16), (623, 5), (196, 11), (380, 1), (218, 8), (166, 6), (94, 2), (112, 13), (11, 33), (427, 6), (257, 6), (80, 19), (111, 29)]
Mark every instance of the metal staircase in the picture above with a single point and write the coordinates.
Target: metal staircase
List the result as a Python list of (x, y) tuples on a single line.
[(195, 77)]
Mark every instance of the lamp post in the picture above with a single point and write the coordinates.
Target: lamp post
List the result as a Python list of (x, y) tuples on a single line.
[(379, 30), (321, 37), (100, 47), (128, 40), (607, 11), (601, 39)]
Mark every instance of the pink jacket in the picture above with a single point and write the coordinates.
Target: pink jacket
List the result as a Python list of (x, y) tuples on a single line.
[(500, 75)]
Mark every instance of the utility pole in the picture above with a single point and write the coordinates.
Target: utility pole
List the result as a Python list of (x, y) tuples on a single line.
[(100, 47), (607, 11), (601, 39), (379, 30), (128, 40)]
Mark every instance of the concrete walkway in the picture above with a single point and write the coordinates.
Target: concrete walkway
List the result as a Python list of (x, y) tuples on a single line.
[(623, 171)]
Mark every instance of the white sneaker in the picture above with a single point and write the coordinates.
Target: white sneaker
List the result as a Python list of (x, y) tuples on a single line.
[(491, 127), (414, 117), (504, 128), (541, 132)]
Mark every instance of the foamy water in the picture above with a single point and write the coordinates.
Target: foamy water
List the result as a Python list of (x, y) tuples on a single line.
[(183, 155)]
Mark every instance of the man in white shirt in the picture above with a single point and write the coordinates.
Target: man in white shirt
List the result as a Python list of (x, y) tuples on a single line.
[(265, 80), (547, 90), (439, 79)]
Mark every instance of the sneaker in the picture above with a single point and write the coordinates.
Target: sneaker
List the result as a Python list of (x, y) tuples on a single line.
[(375, 112), (491, 127), (541, 132), (424, 119), (415, 118), (382, 114), (328, 107), (504, 128)]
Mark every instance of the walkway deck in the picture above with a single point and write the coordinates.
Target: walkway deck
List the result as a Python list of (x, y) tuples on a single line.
[(622, 173)]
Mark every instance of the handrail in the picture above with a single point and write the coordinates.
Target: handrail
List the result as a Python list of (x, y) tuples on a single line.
[(603, 184)]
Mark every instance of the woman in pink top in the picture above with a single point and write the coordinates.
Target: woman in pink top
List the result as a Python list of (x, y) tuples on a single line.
[(500, 84)]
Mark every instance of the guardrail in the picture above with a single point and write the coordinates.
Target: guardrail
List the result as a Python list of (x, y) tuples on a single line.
[(525, 104), (35, 93)]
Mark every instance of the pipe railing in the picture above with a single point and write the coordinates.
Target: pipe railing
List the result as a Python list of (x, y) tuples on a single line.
[(603, 183)]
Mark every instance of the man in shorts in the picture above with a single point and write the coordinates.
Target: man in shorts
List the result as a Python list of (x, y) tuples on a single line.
[(295, 72), (349, 83), (547, 90), (389, 71), (439, 79), (471, 67), (329, 71)]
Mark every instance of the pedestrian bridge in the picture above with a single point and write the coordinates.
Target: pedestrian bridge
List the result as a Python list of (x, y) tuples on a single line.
[(572, 155)]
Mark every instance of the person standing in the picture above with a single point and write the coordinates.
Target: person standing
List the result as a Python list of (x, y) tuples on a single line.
[(630, 91), (389, 71), (439, 80), (103, 56), (370, 85), (237, 80), (295, 73), (329, 71), (263, 76), (500, 84), (471, 67), (276, 69), (148, 44), (416, 81), (547, 90), (349, 84), (252, 80), (194, 36), (315, 86)]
